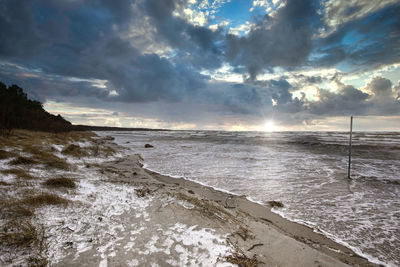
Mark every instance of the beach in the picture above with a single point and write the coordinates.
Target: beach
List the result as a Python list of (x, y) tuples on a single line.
[(121, 214)]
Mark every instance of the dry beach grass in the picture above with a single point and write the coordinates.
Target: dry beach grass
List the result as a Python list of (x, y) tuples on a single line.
[(27, 150)]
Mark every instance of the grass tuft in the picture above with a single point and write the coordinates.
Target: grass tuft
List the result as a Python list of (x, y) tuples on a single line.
[(108, 151), (60, 182), (57, 163), (20, 173), (274, 203), (95, 150), (44, 199), (24, 235), (74, 150), (23, 161), (142, 192), (19, 210), (5, 154), (21, 234), (48, 159), (100, 150), (38, 261), (242, 260), (14, 209)]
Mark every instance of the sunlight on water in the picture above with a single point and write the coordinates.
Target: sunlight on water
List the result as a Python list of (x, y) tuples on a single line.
[(269, 126)]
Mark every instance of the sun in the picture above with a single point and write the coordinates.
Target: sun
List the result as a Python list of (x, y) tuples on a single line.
[(269, 126)]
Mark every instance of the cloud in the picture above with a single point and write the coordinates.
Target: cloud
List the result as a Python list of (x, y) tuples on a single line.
[(242, 29), (87, 46), (339, 12), (42, 87), (152, 78), (380, 87), (196, 45), (385, 96), (365, 41), (283, 40), (348, 101)]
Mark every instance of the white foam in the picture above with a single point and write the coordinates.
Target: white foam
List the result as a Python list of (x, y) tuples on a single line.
[(333, 237)]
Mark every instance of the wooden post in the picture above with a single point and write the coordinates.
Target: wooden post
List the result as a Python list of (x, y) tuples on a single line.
[(351, 133)]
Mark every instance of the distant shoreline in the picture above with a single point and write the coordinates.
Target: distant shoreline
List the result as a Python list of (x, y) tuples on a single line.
[(109, 128)]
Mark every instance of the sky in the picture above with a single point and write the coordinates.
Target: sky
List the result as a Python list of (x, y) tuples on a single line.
[(284, 65)]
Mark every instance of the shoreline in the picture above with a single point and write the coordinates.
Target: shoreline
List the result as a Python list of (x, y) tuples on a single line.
[(262, 213), (350, 249)]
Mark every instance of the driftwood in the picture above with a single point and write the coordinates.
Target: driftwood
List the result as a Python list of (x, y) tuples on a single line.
[(244, 233), (255, 245), (269, 221)]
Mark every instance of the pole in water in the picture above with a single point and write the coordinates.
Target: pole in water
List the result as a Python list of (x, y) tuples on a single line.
[(351, 135)]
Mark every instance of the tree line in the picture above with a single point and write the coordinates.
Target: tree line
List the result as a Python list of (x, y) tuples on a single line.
[(19, 112)]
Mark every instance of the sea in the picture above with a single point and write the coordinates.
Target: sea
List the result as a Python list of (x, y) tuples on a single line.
[(306, 171)]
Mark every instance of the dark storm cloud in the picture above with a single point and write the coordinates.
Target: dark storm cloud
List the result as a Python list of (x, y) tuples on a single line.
[(279, 89), (152, 78), (42, 87), (196, 44), (329, 56), (348, 100), (17, 31), (283, 40), (177, 31), (30, 27), (367, 42), (240, 98), (308, 79), (77, 39), (260, 98)]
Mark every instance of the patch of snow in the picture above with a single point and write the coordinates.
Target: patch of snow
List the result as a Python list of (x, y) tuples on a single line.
[(199, 245), (132, 263), (4, 164), (103, 263), (7, 178), (194, 246), (84, 144), (59, 148), (93, 219)]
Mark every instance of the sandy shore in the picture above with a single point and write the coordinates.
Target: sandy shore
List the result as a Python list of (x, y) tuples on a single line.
[(121, 214)]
